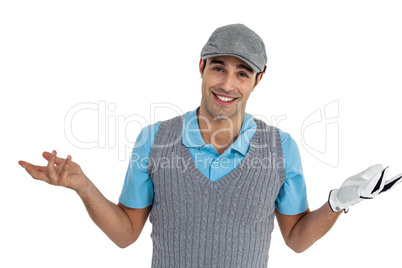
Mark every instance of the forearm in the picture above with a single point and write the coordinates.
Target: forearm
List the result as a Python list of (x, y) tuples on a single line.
[(311, 227), (109, 217)]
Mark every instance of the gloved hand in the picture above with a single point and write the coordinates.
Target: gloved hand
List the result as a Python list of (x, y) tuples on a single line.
[(365, 185)]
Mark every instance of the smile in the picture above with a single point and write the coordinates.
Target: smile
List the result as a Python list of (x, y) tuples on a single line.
[(224, 100)]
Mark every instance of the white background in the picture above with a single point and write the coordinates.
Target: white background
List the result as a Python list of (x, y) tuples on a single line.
[(57, 54)]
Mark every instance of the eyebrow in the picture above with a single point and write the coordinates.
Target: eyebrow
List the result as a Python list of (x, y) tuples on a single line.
[(247, 68), (239, 66)]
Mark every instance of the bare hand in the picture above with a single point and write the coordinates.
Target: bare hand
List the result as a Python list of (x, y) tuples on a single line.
[(59, 172)]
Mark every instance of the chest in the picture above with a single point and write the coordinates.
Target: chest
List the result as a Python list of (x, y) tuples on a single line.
[(180, 188)]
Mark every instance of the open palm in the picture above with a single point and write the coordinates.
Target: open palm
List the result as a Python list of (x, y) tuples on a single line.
[(59, 171)]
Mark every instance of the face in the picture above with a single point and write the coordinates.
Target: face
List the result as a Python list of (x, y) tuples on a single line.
[(226, 86)]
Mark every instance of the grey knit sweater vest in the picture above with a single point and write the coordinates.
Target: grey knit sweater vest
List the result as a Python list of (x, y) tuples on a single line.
[(224, 224)]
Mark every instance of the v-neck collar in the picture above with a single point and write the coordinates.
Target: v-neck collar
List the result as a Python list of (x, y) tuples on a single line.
[(241, 168), (191, 134)]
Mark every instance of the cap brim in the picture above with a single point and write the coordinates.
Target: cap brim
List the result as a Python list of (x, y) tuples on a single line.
[(249, 63)]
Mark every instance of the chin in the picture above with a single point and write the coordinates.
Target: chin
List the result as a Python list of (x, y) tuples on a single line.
[(224, 115)]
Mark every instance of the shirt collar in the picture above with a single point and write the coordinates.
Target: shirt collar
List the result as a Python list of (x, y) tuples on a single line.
[(192, 136), (191, 132)]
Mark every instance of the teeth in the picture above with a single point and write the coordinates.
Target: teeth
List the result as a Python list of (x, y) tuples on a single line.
[(224, 98)]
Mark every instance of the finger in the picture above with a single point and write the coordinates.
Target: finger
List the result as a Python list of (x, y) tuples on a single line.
[(392, 183), (38, 168), (57, 160), (66, 168), (36, 172), (374, 185), (51, 172), (380, 183), (371, 171)]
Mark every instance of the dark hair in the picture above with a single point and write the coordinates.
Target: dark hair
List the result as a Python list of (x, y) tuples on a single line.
[(203, 67)]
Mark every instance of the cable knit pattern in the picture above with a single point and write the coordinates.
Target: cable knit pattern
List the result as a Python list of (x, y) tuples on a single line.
[(224, 224)]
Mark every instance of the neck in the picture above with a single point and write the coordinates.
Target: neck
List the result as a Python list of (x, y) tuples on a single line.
[(221, 133)]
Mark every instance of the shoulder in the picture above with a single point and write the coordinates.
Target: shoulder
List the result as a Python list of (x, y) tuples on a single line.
[(171, 124), (172, 121), (289, 145), (286, 138), (268, 130), (147, 135)]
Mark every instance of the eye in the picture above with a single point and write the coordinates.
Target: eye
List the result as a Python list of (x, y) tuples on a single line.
[(218, 69), (243, 75)]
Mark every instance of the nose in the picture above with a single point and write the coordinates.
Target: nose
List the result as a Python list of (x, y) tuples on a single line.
[(228, 83)]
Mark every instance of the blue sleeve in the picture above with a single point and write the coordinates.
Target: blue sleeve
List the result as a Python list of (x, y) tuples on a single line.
[(292, 197), (138, 190)]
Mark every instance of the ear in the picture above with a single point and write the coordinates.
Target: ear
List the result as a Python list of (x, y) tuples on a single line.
[(201, 66), (259, 77)]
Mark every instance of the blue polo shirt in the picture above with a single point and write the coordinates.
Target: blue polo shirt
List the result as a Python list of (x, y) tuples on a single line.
[(138, 189)]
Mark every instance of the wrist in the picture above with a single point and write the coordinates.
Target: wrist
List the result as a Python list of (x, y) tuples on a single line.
[(85, 188), (334, 204)]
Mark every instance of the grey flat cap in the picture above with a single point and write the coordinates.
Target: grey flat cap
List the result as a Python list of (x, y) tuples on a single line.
[(239, 41)]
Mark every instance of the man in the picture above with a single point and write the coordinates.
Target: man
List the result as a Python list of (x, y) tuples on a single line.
[(213, 180)]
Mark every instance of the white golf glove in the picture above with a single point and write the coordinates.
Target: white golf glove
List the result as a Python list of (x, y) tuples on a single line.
[(365, 185)]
